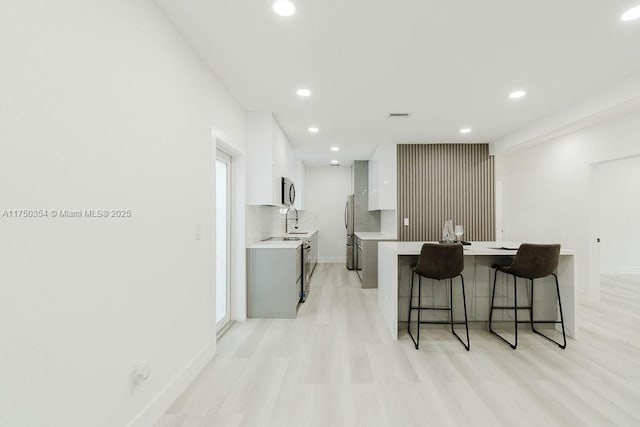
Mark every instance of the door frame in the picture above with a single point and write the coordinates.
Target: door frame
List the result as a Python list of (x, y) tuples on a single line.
[(220, 140), (221, 155)]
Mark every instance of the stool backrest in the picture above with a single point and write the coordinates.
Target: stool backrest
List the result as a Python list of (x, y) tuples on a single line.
[(534, 261), (440, 261)]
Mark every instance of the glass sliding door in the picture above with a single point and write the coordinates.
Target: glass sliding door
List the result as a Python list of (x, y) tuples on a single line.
[(223, 240)]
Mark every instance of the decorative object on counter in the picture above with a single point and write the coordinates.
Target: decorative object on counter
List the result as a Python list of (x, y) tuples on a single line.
[(447, 232), (458, 231), (531, 262)]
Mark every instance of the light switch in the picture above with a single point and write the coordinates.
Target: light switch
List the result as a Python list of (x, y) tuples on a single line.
[(406, 222)]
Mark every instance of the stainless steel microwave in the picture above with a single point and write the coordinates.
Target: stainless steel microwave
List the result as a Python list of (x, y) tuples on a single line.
[(288, 192)]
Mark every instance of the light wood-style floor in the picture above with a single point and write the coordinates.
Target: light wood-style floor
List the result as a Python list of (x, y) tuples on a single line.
[(336, 365)]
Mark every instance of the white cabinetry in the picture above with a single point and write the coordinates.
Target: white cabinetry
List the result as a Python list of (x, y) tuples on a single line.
[(270, 156), (298, 180), (383, 178), (374, 187)]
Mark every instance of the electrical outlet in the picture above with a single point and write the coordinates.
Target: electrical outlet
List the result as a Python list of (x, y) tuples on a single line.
[(198, 232), (406, 222), (142, 372)]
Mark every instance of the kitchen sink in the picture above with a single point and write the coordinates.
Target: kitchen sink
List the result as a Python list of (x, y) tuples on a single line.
[(282, 239)]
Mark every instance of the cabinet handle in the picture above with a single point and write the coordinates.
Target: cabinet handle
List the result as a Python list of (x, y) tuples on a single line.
[(292, 197)]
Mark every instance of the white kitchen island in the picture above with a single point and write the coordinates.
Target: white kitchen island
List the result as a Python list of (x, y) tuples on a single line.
[(395, 260)]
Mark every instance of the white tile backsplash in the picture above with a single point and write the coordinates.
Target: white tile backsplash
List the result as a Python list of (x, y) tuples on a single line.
[(267, 221), (388, 222)]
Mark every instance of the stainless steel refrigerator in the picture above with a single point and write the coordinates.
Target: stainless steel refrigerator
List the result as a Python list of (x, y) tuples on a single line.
[(348, 224), (357, 216)]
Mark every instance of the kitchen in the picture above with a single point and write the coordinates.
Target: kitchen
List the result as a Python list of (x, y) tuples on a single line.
[(216, 301)]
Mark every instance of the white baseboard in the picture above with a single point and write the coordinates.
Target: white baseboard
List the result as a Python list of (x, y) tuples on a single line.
[(163, 401), (331, 260), (619, 270)]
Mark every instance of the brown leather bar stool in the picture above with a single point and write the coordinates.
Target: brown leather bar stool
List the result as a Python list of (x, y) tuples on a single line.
[(438, 262), (531, 262)]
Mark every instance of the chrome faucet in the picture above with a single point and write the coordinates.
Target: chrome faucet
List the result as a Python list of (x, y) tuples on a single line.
[(286, 219)]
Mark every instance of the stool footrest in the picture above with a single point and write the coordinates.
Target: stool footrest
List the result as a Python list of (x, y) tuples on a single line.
[(502, 307), (441, 322), (430, 308), (529, 321), (535, 321)]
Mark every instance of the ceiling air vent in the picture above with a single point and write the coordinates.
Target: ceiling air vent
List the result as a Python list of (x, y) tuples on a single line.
[(397, 115)]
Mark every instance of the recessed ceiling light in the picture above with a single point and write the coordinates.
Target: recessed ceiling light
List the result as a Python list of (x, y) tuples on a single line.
[(631, 14), (517, 94), (465, 130), (335, 148), (313, 129), (284, 7), (334, 162), (303, 92)]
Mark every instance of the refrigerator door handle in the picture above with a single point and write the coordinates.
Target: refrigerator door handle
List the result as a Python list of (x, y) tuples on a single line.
[(346, 206)]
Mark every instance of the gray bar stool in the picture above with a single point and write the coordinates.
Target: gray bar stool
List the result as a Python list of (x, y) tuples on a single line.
[(531, 262), (438, 262)]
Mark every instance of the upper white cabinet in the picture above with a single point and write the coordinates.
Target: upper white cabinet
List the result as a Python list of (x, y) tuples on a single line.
[(383, 178), (270, 156), (298, 180)]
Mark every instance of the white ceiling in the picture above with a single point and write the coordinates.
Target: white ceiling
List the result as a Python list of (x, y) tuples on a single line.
[(450, 63)]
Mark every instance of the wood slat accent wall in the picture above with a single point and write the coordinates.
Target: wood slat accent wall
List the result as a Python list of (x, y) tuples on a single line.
[(437, 182)]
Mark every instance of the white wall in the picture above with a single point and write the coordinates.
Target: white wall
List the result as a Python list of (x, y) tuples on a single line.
[(548, 189), (103, 106), (326, 191), (619, 210)]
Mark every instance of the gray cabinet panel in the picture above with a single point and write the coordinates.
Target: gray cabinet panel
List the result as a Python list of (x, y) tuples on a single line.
[(369, 273), (364, 219), (273, 282), (314, 251)]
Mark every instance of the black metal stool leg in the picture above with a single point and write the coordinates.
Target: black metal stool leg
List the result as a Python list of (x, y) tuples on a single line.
[(410, 310), (493, 296), (419, 309), (513, 346), (564, 337), (515, 311), (466, 323), (531, 307), (410, 304), (451, 304)]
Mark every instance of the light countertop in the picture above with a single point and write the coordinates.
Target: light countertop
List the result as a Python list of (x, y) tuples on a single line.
[(476, 248), (280, 244), (375, 235)]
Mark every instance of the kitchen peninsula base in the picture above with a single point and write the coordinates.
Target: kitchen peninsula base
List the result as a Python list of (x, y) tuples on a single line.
[(395, 260)]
